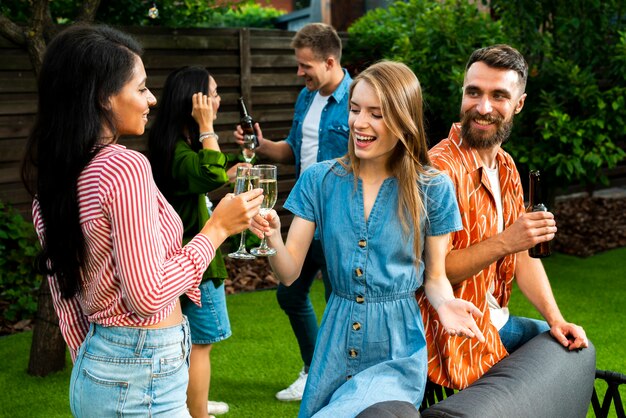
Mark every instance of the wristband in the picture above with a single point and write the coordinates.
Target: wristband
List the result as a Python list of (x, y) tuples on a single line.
[(205, 135)]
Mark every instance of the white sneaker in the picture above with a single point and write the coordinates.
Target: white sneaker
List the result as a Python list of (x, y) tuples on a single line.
[(217, 408), (295, 390)]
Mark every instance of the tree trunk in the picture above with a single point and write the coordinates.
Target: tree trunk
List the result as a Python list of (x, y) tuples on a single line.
[(47, 350), (36, 47)]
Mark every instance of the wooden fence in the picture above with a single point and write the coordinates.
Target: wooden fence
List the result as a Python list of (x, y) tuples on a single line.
[(255, 63)]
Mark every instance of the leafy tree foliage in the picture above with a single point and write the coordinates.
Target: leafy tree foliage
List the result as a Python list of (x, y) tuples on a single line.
[(574, 120), (575, 117)]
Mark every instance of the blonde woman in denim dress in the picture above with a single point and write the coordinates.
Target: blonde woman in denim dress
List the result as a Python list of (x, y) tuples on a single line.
[(384, 218)]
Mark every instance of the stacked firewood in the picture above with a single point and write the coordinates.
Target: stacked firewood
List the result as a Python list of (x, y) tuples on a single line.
[(588, 225), (248, 275)]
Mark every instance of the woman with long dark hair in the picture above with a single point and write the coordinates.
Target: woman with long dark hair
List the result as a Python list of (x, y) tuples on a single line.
[(111, 243), (187, 164)]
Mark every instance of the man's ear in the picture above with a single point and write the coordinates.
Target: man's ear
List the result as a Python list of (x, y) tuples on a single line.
[(520, 103), (330, 62)]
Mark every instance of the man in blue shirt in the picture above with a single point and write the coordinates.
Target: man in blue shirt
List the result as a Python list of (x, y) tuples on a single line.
[(319, 132)]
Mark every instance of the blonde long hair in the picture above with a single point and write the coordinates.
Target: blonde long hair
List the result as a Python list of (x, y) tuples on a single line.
[(400, 95)]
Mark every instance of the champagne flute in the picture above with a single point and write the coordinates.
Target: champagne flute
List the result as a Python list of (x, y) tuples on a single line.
[(267, 175), (247, 179)]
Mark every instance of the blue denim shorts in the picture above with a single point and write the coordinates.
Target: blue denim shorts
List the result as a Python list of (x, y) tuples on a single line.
[(125, 371), (209, 323)]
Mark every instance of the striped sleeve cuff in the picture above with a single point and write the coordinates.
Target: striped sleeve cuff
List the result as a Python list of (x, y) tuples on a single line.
[(202, 249)]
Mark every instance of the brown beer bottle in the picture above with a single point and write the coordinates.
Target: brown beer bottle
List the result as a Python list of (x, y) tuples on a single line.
[(250, 140), (542, 249)]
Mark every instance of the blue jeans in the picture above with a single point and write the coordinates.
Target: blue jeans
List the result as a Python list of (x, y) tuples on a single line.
[(518, 330), (295, 301), (131, 372)]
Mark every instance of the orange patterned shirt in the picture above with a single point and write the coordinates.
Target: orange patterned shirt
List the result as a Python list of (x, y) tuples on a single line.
[(457, 361)]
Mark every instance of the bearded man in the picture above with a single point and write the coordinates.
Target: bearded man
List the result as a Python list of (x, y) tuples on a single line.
[(492, 249)]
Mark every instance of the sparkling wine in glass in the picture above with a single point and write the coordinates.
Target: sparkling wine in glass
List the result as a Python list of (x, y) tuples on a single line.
[(267, 182), (247, 179)]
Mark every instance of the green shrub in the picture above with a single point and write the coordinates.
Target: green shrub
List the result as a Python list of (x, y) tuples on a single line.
[(574, 126), (373, 36), (575, 113), (18, 281), (190, 14), (172, 13), (434, 38), (248, 15)]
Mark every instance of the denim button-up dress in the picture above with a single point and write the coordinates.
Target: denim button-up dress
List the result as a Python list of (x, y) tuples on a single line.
[(371, 345)]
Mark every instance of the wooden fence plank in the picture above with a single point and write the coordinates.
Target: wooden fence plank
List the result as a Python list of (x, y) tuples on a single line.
[(276, 80), (14, 60), (17, 83), (10, 174), (15, 126), (12, 149), (18, 107), (285, 97), (263, 60), (175, 41), (162, 60), (271, 43), (245, 86)]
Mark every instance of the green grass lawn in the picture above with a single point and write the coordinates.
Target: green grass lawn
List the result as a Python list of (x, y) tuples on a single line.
[(262, 358)]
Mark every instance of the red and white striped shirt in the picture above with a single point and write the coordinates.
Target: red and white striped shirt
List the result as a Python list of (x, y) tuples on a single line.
[(135, 268)]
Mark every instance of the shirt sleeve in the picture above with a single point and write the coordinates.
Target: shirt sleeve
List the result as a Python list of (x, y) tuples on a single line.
[(152, 272), (198, 172), (442, 210)]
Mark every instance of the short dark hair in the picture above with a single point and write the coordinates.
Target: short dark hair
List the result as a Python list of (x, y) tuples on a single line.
[(321, 38), (83, 67), (502, 56)]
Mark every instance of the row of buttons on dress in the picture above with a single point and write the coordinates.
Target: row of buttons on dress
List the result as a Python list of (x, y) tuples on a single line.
[(359, 272), (356, 326)]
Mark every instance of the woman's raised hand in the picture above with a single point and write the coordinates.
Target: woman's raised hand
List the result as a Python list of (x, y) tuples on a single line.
[(202, 111), (233, 215), (268, 224)]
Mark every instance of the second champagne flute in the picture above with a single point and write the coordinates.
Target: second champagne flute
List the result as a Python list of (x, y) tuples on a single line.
[(247, 179), (267, 175)]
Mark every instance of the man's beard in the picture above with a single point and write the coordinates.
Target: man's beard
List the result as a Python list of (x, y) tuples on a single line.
[(479, 140)]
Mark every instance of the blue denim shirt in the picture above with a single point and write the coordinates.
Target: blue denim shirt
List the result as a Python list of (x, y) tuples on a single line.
[(333, 129)]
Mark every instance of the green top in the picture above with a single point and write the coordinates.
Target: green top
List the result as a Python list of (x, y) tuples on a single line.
[(195, 174)]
